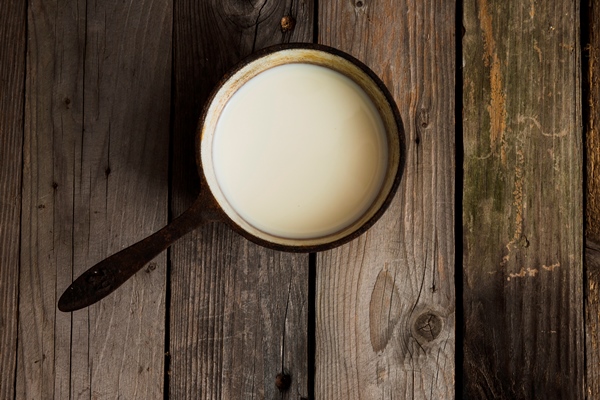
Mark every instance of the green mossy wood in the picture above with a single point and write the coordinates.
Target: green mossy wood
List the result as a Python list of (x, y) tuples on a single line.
[(522, 201)]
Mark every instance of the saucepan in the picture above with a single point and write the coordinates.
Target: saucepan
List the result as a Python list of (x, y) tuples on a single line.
[(299, 149)]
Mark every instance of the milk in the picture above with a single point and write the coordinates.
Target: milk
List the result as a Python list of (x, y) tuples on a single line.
[(300, 151)]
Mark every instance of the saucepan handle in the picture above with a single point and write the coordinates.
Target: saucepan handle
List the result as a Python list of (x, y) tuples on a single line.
[(106, 276)]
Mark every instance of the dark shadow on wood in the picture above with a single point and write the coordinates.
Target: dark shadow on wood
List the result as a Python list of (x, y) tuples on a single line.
[(590, 51), (592, 320), (589, 274), (311, 325), (167, 358), (458, 205), (13, 30), (315, 37), (228, 334)]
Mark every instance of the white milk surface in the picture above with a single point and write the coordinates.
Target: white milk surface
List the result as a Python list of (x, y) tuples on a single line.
[(300, 151)]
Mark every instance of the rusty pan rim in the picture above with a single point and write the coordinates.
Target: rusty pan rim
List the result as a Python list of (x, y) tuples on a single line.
[(215, 208)]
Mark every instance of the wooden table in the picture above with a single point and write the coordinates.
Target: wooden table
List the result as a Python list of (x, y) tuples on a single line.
[(472, 284)]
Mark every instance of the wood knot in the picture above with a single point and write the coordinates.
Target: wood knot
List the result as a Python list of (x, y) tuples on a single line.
[(288, 23), (283, 381), (428, 326)]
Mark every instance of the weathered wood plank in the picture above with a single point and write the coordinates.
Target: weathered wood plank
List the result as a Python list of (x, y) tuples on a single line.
[(592, 231), (238, 312), (385, 302), (13, 20), (522, 208), (95, 180), (592, 323), (592, 81), (56, 37)]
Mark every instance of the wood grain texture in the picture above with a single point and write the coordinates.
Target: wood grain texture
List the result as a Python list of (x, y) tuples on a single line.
[(238, 311), (385, 302), (592, 82), (592, 231), (13, 20), (592, 319), (95, 180), (522, 208)]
